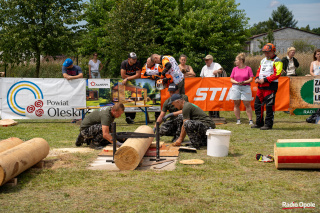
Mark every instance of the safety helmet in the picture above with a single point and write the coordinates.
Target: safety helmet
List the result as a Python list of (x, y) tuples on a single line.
[(159, 84), (268, 48)]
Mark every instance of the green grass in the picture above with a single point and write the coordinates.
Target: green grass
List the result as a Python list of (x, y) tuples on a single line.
[(236, 183)]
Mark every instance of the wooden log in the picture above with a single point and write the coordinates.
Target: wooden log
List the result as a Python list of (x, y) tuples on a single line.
[(20, 158), (297, 154), (9, 143), (129, 155)]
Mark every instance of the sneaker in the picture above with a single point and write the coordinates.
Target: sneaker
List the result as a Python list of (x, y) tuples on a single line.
[(238, 121), (129, 120), (256, 126), (79, 140), (250, 122), (266, 128)]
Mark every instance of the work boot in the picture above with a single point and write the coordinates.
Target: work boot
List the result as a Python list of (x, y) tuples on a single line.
[(129, 120), (79, 140), (265, 128), (255, 126)]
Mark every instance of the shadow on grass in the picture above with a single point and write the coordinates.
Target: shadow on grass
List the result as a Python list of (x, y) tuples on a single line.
[(293, 128), (234, 155)]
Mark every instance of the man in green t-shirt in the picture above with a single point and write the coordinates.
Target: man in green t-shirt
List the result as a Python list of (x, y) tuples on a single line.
[(195, 122), (95, 127), (172, 121)]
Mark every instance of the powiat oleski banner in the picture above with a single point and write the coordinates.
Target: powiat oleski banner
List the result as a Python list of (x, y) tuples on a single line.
[(42, 98)]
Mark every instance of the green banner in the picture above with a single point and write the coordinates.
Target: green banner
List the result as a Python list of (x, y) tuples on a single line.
[(307, 111)]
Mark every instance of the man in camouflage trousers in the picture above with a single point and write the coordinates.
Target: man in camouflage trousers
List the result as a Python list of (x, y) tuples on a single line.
[(172, 121), (95, 127), (196, 122)]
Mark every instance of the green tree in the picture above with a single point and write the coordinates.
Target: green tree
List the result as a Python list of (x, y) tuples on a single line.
[(307, 28), (31, 28), (130, 29), (262, 27), (303, 46), (148, 87), (96, 14), (269, 38), (316, 30), (202, 30), (282, 17)]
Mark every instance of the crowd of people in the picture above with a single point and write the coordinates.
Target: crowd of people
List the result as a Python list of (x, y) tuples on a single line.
[(185, 118)]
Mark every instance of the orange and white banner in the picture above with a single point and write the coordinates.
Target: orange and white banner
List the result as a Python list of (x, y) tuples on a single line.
[(212, 94)]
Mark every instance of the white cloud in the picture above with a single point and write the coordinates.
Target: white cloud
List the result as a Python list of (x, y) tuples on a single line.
[(274, 3)]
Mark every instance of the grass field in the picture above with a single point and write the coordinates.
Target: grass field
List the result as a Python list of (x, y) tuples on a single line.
[(236, 183)]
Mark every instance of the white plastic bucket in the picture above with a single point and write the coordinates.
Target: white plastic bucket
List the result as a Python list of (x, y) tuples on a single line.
[(218, 142)]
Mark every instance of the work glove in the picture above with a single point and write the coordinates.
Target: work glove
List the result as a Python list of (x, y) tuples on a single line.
[(167, 116), (154, 129), (118, 143)]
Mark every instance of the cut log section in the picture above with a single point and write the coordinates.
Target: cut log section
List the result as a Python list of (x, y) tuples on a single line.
[(9, 143), (19, 158), (129, 155), (297, 154), (7, 122)]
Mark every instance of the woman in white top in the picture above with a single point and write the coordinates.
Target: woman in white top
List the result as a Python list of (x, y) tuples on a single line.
[(315, 65), (94, 67), (184, 68)]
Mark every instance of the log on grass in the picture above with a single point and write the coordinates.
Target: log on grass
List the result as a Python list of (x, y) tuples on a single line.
[(129, 155), (9, 143), (297, 154), (20, 158)]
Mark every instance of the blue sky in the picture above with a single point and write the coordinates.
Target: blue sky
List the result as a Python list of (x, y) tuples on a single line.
[(304, 11)]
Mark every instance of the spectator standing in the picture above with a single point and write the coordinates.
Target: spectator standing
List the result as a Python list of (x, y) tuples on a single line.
[(241, 77), (267, 79), (95, 67), (315, 65), (171, 67), (290, 63), (212, 69), (130, 69), (184, 68), (70, 71)]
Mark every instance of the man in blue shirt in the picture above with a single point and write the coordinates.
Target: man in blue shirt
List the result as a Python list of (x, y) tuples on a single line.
[(70, 71)]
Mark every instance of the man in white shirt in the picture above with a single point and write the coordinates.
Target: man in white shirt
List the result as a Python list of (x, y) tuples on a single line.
[(211, 69)]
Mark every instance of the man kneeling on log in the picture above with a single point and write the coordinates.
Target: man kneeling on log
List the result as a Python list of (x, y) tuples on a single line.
[(95, 127), (195, 122)]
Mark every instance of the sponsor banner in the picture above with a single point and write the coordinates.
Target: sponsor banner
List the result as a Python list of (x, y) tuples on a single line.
[(99, 83), (45, 98), (304, 95), (213, 94), (137, 92)]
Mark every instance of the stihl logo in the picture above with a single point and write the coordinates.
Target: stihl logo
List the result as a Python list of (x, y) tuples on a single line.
[(202, 93)]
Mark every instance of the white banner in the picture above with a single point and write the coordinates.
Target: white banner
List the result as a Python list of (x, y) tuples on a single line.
[(99, 83), (42, 98)]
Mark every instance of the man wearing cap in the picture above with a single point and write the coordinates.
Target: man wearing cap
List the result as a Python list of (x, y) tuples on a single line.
[(195, 122), (171, 67), (173, 121), (70, 71), (95, 127), (267, 79), (130, 69), (211, 69)]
